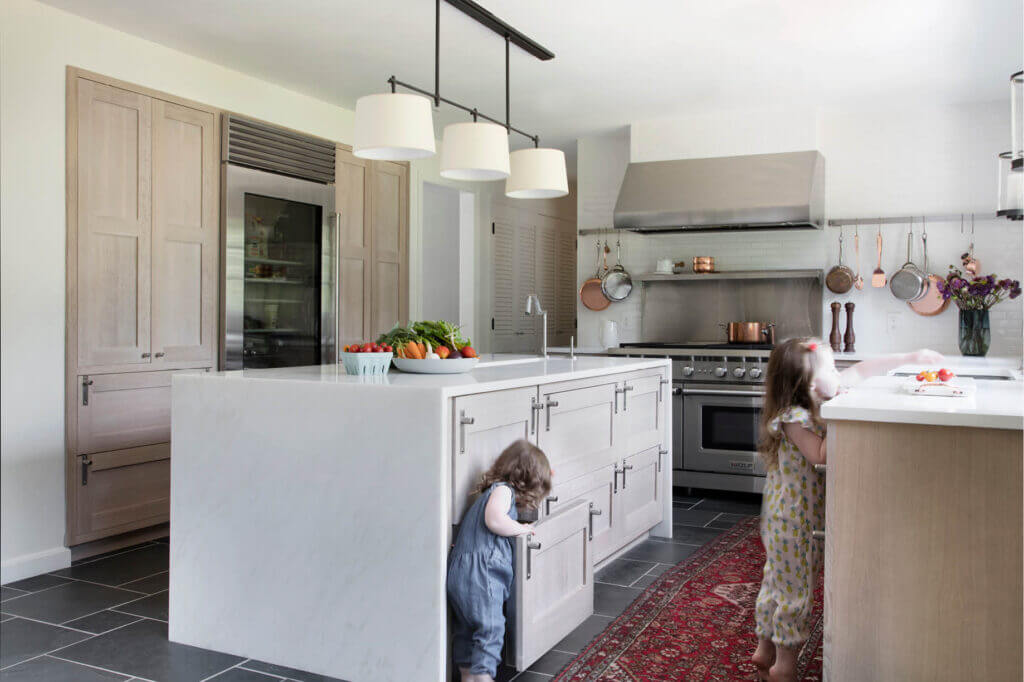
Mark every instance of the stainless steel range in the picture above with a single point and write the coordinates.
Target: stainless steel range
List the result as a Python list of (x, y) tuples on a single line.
[(717, 394)]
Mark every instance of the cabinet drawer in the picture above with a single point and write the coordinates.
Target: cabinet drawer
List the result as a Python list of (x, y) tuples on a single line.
[(641, 411), (124, 489), (554, 584), (598, 491), (118, 411), (577, 429), (639, 497), (484, 425)]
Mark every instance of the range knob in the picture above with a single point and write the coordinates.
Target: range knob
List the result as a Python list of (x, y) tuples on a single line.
[(739, 372), (720, 372), (755, 373), (687, 371)]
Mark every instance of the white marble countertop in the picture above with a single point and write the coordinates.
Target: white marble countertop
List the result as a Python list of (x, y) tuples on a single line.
[(494, 372), (996, 405)]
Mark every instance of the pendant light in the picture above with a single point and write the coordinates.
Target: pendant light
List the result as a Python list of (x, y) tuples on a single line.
[(475, 151), (1011, 189), (393, 127), (537, 173)]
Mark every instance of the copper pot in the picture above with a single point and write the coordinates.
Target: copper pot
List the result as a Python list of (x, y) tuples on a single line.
[(703, 264), (749, 332)]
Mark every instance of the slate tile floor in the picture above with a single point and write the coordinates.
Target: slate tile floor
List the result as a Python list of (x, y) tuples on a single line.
[(105, 618)]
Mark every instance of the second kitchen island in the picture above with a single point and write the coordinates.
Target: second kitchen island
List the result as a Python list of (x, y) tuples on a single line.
[(312, 511)]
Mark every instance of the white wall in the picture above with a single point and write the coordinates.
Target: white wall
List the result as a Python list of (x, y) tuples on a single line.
[(894, 161), (36, 44), (441, 213)]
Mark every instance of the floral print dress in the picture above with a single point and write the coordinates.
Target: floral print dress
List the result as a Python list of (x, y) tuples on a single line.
[(793, 506)]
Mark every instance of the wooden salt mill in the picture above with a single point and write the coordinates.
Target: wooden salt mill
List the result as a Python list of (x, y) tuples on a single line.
[(835, 337), (849, 338)]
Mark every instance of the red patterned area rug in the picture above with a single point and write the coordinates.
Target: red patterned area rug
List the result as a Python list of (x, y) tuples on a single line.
[(695, 623)]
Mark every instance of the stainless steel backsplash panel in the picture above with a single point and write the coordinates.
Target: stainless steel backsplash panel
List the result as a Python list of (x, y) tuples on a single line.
[(692, 310)]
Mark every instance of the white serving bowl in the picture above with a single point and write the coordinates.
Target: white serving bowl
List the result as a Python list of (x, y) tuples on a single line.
[(457, 366)]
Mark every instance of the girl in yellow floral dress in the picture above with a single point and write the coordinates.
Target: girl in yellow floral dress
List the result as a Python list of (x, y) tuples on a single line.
[(801, 374)]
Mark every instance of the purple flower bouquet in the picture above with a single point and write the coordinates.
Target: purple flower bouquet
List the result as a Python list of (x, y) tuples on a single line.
[(974, 297)]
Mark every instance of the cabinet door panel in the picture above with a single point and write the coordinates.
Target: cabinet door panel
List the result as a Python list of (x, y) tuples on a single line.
[(641, 412), (553, 587), (498, 419), (114, 231), (639, 498), (185, 235), (389, 245), (599, 492), (352, 200), (577, 433), (124, 490)]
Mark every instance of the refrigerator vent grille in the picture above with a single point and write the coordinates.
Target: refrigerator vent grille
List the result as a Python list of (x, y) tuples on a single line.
[(265, 147)]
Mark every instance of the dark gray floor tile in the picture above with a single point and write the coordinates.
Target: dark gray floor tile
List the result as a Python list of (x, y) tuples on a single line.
[(153, 606), (163, 541), (151, 585), (693, 517), (679, 497), (104, 555), (611, 600), (645, 581), (622, 571), (662, 552), (142, 649), (506, 674), (530, 676), (691, 535), (47, 669), (68, 602), (732, 519), (747, 504), (242, 675), (660, 568), (552, 662), (290, 673), (576, 640), (39, 582), (23, 639), (5, 617), (101, 622), (121, 568), (9, 593), (720, 525)]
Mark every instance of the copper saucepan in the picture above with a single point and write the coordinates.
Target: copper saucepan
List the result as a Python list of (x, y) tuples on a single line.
[(749, 332)]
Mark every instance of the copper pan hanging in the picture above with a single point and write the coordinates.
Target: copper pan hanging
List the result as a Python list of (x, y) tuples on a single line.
[(591, 294)]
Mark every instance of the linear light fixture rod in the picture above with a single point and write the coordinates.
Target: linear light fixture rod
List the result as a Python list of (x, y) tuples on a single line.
[(508, 120), (485, 18), (437, 53)]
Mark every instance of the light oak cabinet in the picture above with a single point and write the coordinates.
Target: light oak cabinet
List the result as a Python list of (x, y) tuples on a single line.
[(372, 201), (143, 247)]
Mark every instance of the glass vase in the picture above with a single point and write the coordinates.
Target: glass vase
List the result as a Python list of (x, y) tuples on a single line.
[(975, 335)]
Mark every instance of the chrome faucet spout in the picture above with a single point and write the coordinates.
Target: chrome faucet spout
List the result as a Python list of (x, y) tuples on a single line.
[(533, 308)]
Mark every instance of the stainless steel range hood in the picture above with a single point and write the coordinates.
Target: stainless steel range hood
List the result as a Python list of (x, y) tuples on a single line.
[(757, 192)]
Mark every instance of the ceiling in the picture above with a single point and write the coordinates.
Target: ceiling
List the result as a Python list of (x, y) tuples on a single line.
[(616, 62)]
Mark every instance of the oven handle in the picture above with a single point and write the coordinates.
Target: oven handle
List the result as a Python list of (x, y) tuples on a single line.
[(722, 391)]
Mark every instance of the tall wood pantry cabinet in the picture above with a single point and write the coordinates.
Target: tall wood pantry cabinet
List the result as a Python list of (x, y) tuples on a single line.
[(142, 290)]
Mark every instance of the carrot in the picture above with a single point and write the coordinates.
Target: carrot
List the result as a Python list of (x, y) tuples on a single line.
[(412, 350), (422, 348)]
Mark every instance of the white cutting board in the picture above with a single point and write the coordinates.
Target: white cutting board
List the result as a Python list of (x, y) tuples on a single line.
[(957, 387)]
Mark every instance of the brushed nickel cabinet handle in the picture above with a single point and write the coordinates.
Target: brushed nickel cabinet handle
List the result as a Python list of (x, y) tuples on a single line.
[(548, 405), (820, 468), (530, 546), (158, 355), (818, 534), (534, 408), (86, 383), (463, 421), (617, 471), (593, 512), (145, 355), (625, 468), (548, 501)]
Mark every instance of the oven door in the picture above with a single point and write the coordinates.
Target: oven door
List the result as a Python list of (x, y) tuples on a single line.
[(720, 428)]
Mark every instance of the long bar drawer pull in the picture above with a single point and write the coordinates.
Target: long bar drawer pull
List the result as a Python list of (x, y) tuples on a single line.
[(548, 500), (661, 453), (818, 534), (820, 468), (593, 512), (625, 468), (530, 546), (463, 422), (625, 389), (617, 470), (549, 404), (661, 382), (534, 408)]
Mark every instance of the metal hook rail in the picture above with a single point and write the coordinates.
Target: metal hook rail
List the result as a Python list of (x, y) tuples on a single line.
[(903, 220)]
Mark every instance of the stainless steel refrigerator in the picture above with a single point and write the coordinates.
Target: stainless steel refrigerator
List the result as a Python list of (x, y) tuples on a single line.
[(280, 255)]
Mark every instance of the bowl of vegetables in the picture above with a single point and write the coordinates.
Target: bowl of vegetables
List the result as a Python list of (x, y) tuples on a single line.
[(430, 347), (366, 358)]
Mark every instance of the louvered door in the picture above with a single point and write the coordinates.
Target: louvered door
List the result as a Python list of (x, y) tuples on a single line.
[(352, 202)]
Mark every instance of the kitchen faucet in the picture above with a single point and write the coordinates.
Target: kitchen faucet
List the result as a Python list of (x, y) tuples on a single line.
[(533, 308)]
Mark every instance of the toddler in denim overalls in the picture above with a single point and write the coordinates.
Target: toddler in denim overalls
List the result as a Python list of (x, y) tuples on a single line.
[(480, 568)]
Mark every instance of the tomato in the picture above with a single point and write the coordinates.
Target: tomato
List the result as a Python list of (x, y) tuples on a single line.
[(468, 352), (367, 348), (920, 377), (945, 374), (353, 349)]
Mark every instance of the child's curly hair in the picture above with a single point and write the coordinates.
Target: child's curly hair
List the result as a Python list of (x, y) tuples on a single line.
[(525, 467), (789, 382)]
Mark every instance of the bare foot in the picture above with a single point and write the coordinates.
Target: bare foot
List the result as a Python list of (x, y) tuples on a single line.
[(784, 668), (763, 657)]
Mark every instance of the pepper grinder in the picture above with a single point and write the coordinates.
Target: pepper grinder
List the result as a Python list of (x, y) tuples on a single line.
[(835, 337), (849, 337)]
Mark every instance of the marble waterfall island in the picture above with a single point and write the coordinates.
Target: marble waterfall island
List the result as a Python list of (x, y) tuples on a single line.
[(312, 511)]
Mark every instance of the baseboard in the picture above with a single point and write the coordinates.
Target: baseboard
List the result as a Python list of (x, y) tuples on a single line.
[(115, 542), (30, 565)]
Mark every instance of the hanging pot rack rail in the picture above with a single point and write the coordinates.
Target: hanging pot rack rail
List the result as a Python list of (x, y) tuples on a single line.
[(904, 220), (511, 35)]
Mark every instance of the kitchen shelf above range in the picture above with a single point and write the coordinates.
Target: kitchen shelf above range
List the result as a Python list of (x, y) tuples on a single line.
[(730, 275)]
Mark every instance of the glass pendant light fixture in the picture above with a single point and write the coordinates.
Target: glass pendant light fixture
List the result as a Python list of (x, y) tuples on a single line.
[(1017, 120), (393, 127), (475, 151), (537, 173), (1011, 189)]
